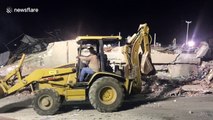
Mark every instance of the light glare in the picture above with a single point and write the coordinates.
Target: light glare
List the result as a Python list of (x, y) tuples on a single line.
[(191, 43)]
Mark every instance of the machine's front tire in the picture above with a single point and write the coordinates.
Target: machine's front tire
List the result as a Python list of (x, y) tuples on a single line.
[(106, 94), (46, 102)]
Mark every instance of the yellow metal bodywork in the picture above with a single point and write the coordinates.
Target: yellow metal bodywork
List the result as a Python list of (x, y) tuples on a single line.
[(39, 76), (59, 79), (131, 51), (75, 94)]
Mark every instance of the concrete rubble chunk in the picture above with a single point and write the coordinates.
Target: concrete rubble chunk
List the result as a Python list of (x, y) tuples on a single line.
[(4, 57), (209, 76), (196, 88), (203, 49)]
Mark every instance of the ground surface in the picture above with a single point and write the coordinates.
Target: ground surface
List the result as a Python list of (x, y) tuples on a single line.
[(138, 108)]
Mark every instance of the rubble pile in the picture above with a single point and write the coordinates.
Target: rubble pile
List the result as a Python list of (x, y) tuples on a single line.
[(203, 83), (195, 85)]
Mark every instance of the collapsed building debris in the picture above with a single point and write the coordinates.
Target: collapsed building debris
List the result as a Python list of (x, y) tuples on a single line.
[(29, 45), (176, 63), (181, 63), (200, 85), (41, 53), (190, 69), (47, 58)]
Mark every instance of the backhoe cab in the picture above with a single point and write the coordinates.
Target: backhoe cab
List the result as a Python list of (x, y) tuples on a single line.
[(104, 89), (96, 42)]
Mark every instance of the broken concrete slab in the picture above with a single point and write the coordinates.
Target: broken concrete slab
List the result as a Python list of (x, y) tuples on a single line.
[(162, 58), (57, 54), (203, 49), (4, 57), (183, 70), (209, 76), (187, 59), (196, 88)]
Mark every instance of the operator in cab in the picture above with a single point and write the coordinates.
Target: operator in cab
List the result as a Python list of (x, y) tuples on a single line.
[(93, 64)]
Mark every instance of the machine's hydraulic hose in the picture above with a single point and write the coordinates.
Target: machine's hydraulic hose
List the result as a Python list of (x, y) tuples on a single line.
[(1, 93), (150, 39)]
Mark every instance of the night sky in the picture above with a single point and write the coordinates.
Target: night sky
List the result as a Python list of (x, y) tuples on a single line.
[(76, 17)]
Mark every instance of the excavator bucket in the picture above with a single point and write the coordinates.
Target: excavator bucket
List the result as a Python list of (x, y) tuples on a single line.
[(146, 64)]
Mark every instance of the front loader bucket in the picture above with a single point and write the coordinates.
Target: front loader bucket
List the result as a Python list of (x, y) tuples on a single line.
[(10, 78), (146, 64)]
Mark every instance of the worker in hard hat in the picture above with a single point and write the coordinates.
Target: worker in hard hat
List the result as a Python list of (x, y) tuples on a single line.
[(92, 61)]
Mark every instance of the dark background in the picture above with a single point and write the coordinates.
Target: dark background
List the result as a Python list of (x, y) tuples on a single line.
[(76, 17)]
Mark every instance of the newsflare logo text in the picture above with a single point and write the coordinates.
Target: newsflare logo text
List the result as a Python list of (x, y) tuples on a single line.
[(22, 10)]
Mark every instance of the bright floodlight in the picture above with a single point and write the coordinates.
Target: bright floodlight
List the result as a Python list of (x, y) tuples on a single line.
[(191, 43)]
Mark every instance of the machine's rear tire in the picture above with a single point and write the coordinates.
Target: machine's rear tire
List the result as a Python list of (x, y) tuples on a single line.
[(46, 102), (106, 94)]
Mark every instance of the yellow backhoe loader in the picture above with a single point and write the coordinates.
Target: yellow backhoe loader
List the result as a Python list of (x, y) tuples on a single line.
[(105, 90)]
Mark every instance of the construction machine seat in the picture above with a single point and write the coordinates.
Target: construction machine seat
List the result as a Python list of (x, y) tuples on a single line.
[(87, 77)]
